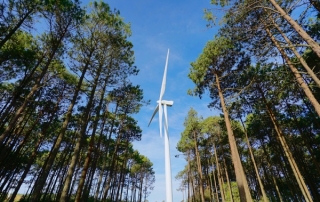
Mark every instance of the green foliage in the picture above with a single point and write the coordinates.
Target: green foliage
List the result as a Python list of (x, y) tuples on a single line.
[(18, 55), (257, 86), (234, 191), (208, 60), (209, 17), (220, 56), (192, 126), (220, 2), (63, 82)]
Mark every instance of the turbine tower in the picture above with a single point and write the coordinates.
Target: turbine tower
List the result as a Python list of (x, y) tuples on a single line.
[(164, 104)]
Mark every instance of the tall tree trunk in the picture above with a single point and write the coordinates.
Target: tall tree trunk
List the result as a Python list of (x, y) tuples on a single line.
[(49, 185), (220, 180), (274, 181), (299, 153), (294, 167), (264, 195), (122, 182), (35, 150), (33, 90), (16, 27), (215, 181), (55, 149), (140, 187), (199, 168), (277, 188), (91, 145), (7, 154), (113, 166), (27, 169), (244, 192), (305, 36), (210, 180), (96, 196), (228, 180), (297, 54), (76, 153), (189, 177), (37, 84), (296, 73), (307, 140)]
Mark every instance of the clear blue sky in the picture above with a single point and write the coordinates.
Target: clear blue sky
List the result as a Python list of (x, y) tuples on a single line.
[(156, 26)]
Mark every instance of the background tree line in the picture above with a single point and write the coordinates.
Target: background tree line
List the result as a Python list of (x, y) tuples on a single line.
[(66, 104), (262, 71)]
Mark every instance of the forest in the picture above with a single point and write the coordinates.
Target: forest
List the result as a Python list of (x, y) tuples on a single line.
[(67, 105), (261, 71)]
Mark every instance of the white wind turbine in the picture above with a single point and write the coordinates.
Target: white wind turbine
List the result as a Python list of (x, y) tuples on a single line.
[(165, 103)]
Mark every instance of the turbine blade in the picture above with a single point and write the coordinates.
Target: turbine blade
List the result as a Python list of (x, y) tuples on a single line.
[(154, 113), (160, 118), (163, 86)]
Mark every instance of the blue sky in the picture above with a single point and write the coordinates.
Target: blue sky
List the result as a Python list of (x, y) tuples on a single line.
[(156, 26)]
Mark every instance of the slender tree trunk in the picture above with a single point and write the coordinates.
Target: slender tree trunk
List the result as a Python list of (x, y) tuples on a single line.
[(189, 181), (5, 189), (27, 169), (215, 181), (49, 185), (244, 192), (35, 150), (307, 140), (305, 36), (220, 180), (198, 167), (7, 154), (228, 180), (127, 192), (295, 169), (91, 146), (100, 179), (191, 178), (264, 195), (297, 54), (275, 184), (62, 171), (296, 73), (122, 183), (210, 181), (277, 188), (313, 187), (21, 109), (112, 169), (140, 187), (77, 149), (16, 27), (55, 149), (62, 177), (114, 160), (35, 88), (77, 171), (132, 190)]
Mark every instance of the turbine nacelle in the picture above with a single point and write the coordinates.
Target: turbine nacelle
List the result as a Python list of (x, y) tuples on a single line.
[(165, 102)]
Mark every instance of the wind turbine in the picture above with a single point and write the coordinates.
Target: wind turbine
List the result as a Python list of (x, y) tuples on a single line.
[(164, 104)]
